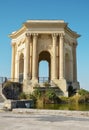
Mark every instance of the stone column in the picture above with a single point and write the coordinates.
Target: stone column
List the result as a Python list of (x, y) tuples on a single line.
[(34, 57), (17, 67), (74, 63), (61, 56), (13, 62), (54, 67), (27, 56)]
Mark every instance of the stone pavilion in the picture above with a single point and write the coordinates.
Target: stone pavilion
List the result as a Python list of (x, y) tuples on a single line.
[(50, 40)]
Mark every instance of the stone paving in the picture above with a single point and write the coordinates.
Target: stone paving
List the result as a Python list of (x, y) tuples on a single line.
[(33, 119)]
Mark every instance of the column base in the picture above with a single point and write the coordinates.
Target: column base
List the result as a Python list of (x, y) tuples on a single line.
[(62, 84), (34, 80)]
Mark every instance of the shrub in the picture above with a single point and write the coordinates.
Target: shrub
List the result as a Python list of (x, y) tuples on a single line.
[(46, 84), (11, 90), (70, 90), (50, 94), (83, 92), (37, 93), (31, 96), (87, 98), (81, 99), (22, 96), (7, 84), (64, 99), (74, 99)]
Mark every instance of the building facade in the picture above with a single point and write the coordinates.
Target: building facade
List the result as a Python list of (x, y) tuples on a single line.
[(50, 40)]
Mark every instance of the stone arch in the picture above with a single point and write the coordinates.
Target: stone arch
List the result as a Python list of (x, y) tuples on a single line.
[(45, 56), (21, 67)]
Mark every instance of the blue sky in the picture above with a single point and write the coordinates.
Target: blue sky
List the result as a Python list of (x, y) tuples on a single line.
[(13, 13)]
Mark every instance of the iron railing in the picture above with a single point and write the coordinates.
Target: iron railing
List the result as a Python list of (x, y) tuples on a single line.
[(20, 77), (43, 79), (5, 79)]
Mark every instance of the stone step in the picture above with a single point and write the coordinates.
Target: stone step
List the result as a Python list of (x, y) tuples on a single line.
[(1, 99), (1, 105)]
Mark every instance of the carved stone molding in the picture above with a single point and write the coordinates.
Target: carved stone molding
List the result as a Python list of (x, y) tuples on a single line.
[(55, 35), (13, 43), (61, 35), (35, 35), (28, 34)]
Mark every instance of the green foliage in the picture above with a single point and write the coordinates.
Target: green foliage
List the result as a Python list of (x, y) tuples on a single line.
[(7, 84), (31, 96), (70, 90), (11, 90), (74, 99), (83, 92), (64, 99), (87, 98), (50, 94), (22, 95), (81, 99), (37, 93), (46, 84)]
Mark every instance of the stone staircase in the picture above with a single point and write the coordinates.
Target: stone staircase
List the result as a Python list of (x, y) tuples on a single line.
[(1, 99)]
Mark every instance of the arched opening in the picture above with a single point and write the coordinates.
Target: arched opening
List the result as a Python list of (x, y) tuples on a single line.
[(21, 68), (44, 67), (67, 67)]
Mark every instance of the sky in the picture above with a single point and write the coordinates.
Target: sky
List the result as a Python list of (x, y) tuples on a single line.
[(13, 13)]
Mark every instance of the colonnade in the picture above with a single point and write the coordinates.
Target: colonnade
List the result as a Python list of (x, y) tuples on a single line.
[(34, 58)]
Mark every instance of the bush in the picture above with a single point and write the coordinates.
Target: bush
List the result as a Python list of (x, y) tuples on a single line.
[(64, 99), (11, 90), (46, 84), (70, 90), (37, 93), (83, 92), (50, 94), (81, 99), (87, 98), (74, 99), (31, 96), (7, 84), (22, 96)]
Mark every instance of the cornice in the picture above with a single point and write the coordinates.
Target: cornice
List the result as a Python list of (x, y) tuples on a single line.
[(71, 33), (44, 23), (17, 33), (44, 26)]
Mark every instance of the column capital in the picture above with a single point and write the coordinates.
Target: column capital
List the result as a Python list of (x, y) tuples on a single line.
[(28, 37), (75, 44), (61, 35), (28, 34), (35, 34), (54, 34), (13, 43)]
